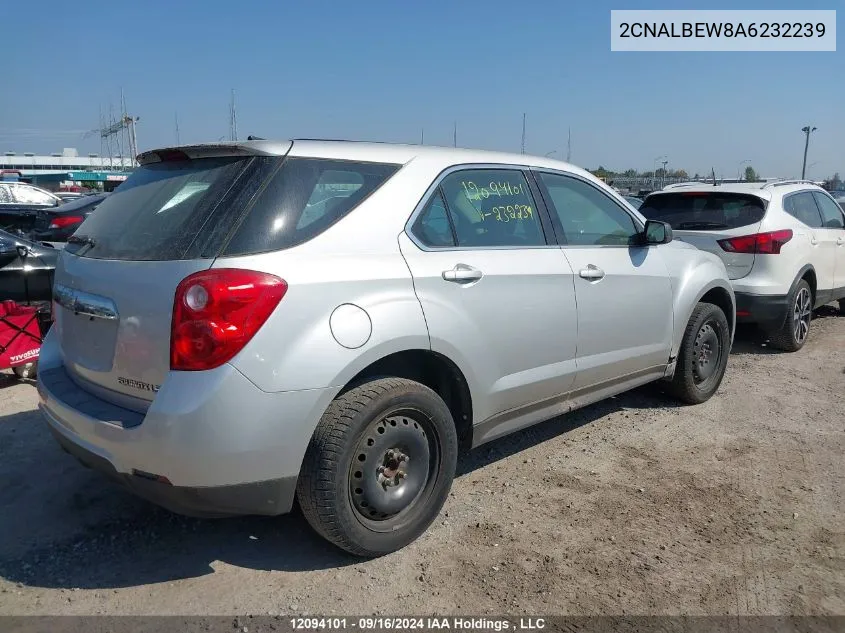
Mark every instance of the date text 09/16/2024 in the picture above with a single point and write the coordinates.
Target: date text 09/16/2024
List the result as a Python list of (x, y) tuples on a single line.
[(455, 623)]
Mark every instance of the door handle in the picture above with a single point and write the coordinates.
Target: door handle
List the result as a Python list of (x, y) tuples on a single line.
[(840, 241), (593, 273), (813, 241), (462, 273)]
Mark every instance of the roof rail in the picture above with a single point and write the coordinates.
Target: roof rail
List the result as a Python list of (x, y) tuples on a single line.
[(783, 183)]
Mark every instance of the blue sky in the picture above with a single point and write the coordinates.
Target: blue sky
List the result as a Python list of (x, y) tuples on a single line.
[(385, 70)]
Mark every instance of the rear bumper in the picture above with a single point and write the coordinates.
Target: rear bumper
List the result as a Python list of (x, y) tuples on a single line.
[(211, 443), (765, 310), (264, 497)]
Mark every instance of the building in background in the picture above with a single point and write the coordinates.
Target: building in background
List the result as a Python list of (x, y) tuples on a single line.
[(66, 170)]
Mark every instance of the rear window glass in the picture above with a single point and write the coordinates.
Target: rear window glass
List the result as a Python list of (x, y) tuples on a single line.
[(304, 198), (158, 211), (703, 211)]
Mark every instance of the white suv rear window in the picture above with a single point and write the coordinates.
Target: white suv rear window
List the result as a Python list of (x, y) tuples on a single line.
[(704, 211)]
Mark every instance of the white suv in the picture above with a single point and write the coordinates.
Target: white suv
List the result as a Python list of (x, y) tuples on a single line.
[(783, 244)]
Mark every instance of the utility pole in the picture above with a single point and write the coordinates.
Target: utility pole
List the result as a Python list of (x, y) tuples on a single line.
[(807, 130), (233, 119), (523, 134), (663, 177), (569, 145), (422, 136), (176, 121), (455, 135)]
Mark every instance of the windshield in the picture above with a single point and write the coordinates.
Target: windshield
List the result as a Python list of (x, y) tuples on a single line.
[(703, 211)]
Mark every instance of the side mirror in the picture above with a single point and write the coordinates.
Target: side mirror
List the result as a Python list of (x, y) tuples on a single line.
[(657, 232), (23, 251)]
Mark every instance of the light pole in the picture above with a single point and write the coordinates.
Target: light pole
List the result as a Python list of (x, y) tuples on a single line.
[(807, 131), (663, 176), (547, 154), (654, 172), (739, 168)]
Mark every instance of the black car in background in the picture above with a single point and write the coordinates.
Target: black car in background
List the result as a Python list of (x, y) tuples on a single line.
[(61, 222), (22, 203), (26, 269)]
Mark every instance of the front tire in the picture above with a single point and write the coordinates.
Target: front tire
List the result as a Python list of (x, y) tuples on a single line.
[(703, 356), (796, 327), (379, 466)]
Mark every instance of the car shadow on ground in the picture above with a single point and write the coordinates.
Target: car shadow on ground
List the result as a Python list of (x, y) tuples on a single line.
[(750, 339), (73, 528)]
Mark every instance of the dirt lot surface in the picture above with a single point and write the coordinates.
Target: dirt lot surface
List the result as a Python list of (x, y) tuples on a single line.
[(631, 506)]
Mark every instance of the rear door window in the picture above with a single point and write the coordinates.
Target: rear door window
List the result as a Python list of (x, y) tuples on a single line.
[(704, 211), (304, 198), (803, 208), (433, 227), (831, 213), (492, 208)]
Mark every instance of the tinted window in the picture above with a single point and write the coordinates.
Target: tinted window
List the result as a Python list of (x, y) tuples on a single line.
[(831, 213), (31, 195), (802, 207), (492, 207), (159, 210), (432, 227), (304, 198), (703, 211), (588, 216)]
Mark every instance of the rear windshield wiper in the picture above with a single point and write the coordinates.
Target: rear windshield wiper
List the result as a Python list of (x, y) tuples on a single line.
[(702, 225), (83, 240)]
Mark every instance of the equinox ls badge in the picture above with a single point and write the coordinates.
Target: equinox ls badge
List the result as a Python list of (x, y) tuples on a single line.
[(137, 384)]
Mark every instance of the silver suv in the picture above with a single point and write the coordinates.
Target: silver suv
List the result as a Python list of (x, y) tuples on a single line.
[(242, 324)]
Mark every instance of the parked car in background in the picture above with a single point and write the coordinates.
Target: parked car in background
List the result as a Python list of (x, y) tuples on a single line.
[(839, 196), (26, 269), (262, 334), (21, 204), (783, 244), (59, 224), (634, 201), (68, 195)]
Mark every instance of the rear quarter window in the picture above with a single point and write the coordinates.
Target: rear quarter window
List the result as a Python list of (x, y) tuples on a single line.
[(703, 211), (304, 198)]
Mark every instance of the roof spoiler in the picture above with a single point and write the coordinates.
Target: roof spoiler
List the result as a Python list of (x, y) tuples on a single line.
[(254, 147)]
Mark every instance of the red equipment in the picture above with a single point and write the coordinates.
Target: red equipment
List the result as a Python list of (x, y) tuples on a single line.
[(22, 329), (20, 337)]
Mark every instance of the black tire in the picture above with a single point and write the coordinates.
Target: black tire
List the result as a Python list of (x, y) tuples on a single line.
[(792, 335), (703, 356), (26, 372), (353, 486), (842, 307)]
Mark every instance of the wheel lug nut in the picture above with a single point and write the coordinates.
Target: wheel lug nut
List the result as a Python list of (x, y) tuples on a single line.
[(401, 474)]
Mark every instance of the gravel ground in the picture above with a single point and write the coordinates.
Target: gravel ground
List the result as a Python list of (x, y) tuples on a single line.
[(631, 506)]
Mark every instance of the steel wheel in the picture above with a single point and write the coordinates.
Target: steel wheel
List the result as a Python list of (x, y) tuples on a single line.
[(395, 462), (707, 351), (801, 312)]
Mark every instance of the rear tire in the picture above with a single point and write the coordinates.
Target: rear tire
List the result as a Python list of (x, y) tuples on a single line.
[(26, 372), (703, 356), (796, 327), (379, 466)]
